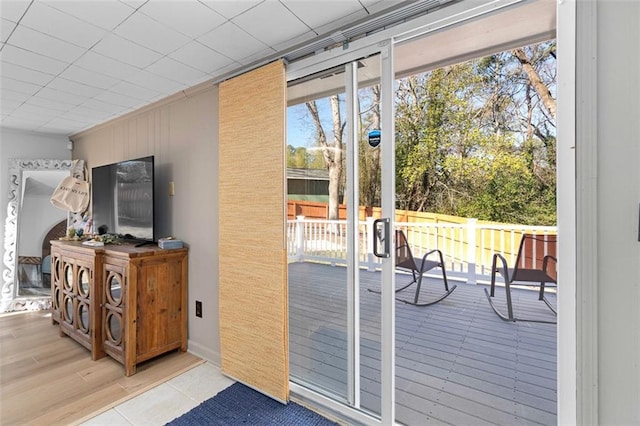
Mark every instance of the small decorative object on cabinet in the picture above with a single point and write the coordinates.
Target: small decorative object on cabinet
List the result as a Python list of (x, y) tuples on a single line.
[(124, 301)]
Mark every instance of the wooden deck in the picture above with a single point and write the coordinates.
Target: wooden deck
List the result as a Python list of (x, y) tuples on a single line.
[(456, 361)]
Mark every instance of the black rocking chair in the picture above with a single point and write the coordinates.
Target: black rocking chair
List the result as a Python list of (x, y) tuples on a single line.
[(418, 267), (533, 265)]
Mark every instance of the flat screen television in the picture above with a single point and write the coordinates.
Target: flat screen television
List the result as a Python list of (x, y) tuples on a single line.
[(123, 196)]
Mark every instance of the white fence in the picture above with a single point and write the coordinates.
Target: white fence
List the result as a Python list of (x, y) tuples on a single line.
[(468, 248)]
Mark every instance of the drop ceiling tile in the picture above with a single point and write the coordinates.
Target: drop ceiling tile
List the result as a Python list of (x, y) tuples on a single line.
[(74, 88), (133, 4), (230, 9), (155, 82), (254, 22), (316, 14), (126, 51), (12, 95), (19, 73), (201, 57), (90, 78), (135, 91), (51, 47), (7, 83), (118, 99), (231, 41), (89, 114), (57, 95), (177, 71), (6, 27), (257, 56), (21, 123), (57, 104), (58, 24), (309, 35), (33, 61), (106, 14), (151, 34), (67, 123), (28, 111), (7, 106), (102, 106), (191, 18), (96, 62), (13, 10)]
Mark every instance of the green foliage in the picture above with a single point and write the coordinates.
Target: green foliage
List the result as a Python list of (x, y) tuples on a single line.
[(301, 158), (473, 140)]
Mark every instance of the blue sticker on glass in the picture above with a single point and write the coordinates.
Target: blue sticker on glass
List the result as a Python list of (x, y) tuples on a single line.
[(374, 138)]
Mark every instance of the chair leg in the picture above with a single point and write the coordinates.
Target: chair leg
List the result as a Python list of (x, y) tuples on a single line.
[(541, 295), (507, 288), (419, 284)]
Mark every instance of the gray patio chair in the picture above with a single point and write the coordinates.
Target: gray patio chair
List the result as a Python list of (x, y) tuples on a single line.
[(535, 263), (418, 267)]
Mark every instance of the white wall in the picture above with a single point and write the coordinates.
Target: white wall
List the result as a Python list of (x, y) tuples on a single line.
[(24, 145), (182, 133), (37, 217), (618, 198)]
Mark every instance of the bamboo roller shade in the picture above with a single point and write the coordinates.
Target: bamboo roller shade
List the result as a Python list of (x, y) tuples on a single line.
[(252, 255)]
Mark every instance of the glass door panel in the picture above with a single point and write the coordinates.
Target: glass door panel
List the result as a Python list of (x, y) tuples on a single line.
[(334, 195), (317, 236)]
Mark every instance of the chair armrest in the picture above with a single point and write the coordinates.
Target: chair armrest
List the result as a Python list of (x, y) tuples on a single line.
[(441, 258), (505, 267)]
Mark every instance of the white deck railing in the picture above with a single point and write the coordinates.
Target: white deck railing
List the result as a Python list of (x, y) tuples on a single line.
[(468, 248)]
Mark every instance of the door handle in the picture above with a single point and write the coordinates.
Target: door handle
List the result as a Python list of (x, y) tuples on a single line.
[(381, 235)]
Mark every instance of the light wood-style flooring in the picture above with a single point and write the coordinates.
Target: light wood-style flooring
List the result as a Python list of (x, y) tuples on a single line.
[(48, 379)]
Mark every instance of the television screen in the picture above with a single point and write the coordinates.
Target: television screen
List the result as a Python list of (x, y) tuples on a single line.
[(122, 196)]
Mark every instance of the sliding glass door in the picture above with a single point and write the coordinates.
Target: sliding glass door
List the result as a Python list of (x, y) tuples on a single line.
[(340, 216)]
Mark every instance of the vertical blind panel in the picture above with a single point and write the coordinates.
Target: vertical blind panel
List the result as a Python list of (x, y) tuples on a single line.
[(252, 256)]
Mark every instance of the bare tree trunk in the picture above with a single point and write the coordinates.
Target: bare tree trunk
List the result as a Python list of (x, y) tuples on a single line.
[(536, 81), (331, 152), (335, 167)]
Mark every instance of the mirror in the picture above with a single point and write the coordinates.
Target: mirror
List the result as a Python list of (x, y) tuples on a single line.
[(30, 216), (68, 277), (83, 282)]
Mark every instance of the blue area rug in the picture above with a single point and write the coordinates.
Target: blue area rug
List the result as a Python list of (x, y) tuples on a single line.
[(241, 405)]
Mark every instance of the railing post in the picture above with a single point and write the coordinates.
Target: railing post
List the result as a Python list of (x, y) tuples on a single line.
[(472, 226), (371, 265), (299, 238)]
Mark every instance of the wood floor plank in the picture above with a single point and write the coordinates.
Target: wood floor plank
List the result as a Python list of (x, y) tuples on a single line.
[(49, 379)]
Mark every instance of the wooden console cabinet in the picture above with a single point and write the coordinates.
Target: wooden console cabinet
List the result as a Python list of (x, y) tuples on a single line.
[(124, 301)]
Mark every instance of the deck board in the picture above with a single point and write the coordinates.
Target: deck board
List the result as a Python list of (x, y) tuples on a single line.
[(456, 361)]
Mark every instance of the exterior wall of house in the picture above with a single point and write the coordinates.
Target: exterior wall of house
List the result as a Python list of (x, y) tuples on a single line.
[(182, 133), (24, 145), (618, 198)]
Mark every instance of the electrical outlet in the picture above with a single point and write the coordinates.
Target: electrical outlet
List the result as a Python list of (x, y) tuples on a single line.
[(198, 309)]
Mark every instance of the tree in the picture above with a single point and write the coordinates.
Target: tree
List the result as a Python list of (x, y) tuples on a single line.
[(370, 189), (331, 150)]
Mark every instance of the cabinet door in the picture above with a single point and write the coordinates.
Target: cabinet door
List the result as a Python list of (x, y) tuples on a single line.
[(56, 286), (67, 300), (113, 308), (78, 302), (84, 299)]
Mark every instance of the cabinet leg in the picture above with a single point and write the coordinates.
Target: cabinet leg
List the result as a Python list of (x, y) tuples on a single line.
[(129, 369)]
